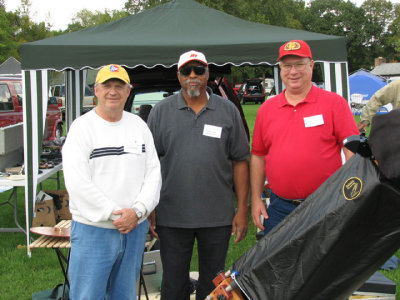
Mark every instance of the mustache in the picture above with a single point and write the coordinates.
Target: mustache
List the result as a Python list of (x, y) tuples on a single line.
[(193, 81)]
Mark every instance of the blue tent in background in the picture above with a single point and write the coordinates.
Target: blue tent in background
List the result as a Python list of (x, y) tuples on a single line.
[(365, 83)]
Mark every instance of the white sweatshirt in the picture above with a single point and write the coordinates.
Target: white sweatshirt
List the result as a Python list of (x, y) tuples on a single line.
[(108, 166)]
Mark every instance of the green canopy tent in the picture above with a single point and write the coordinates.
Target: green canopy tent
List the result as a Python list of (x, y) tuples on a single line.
[(156, 37)]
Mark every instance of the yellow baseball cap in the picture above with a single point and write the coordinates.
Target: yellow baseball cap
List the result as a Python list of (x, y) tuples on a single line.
[(111, 72)]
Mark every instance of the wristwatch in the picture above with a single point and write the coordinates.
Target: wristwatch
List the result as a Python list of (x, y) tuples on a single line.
[(139, 214)]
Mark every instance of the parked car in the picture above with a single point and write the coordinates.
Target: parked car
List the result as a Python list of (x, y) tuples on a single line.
[(145, 97), (11, 108), (58, 91), (269, 85), (252, 90), (154, 85), (237, 87)]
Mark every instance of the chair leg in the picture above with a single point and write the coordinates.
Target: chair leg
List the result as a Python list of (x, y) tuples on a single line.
[(142, 282)]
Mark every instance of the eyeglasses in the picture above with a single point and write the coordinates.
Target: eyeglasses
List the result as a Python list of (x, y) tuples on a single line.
[(298, 66), (198, 70)]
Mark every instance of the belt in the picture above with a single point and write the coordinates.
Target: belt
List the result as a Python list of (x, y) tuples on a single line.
[(295, 201)]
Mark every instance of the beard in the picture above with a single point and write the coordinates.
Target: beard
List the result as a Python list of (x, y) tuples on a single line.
[(192, 92)]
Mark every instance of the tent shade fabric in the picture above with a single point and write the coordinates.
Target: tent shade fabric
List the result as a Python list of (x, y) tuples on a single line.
[(365, 83), (75, 83), (157, 36), (334, 74)]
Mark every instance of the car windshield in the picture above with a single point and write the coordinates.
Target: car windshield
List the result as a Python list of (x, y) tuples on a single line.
[(143, 99), (255, 88), (18, 88), (152, 96)]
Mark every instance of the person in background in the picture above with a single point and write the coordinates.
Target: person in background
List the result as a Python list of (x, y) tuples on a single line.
[(113, 177), (388, 94), (203, 150), (297, 139)]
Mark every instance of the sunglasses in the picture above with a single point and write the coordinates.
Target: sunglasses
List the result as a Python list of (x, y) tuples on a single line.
[(198, 70)]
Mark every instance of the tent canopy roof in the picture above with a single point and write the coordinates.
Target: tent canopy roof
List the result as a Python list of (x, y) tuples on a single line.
[(365, 83), (158, 36)]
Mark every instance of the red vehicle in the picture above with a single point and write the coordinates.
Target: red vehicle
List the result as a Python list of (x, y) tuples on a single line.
[(11, 108), (252, 91), (237, 87)]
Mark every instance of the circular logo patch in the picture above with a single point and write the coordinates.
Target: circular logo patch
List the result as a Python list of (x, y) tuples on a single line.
[(292, 46), (352, 188)]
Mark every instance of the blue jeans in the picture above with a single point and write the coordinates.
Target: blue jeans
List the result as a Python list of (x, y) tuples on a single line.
[(277, 210), (104, 263)]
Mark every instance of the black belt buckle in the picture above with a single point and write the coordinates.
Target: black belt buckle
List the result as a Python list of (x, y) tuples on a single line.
[(297, 201)]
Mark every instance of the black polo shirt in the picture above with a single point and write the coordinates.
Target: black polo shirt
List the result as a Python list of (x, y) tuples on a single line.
[(196, 154)]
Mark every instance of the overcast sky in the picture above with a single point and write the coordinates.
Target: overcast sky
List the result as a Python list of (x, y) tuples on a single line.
[(59, 13)]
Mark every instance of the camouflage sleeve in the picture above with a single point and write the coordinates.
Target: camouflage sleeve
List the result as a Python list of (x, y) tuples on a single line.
[(388, 94)]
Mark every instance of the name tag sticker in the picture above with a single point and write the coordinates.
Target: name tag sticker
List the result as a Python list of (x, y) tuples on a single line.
[(212, 131), (134, 147), (314, 121)]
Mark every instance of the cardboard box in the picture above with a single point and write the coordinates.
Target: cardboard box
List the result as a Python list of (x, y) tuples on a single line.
[(44, 213), (61, 202)]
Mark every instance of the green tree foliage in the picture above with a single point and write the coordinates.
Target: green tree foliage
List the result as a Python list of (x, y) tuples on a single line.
[(379, 15), (85, 18), (17, 28), (394, 40), (30, 31), (369, 29), (8, 31), (280, 13), (341, 18), (135, 6)]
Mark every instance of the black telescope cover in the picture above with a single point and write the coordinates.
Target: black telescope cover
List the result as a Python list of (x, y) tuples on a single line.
[(330, 244), (384, 140)]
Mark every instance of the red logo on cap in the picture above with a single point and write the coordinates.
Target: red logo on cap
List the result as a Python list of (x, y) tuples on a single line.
[(114, 68), (193, 55), (292, 46)]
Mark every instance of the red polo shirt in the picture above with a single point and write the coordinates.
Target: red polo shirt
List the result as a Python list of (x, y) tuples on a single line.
[(302, 143)]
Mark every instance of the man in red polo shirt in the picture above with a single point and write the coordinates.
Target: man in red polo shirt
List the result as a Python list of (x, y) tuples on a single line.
[(298, 138)]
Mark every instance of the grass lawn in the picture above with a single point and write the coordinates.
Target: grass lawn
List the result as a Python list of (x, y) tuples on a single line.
[(21, 276)]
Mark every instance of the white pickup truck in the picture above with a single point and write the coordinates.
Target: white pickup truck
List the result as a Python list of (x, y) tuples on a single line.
[(58, 91)]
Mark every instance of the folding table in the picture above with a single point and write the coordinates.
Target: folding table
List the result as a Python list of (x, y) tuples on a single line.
[(57, 243), (13, 198)]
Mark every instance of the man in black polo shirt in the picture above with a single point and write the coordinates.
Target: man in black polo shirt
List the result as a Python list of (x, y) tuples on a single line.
[(203, 150)]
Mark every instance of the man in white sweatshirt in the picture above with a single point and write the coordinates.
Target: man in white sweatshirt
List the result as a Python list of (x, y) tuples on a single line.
[(113, 178)]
